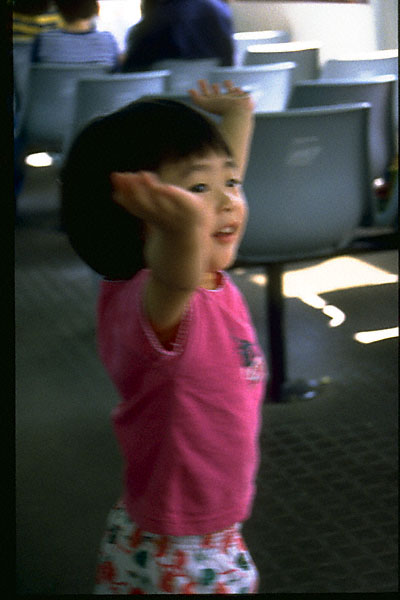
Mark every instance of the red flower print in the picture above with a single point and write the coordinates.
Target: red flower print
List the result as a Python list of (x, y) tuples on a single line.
[(180, 559), (135, 538), (207, 541), (189, 588), (136, 591), (106, 572), (241, 544), (162, 544), (220, 588), (167, 582), (228, 539)]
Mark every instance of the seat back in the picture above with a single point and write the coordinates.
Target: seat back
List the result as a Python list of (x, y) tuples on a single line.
[(306, 55), (373, 64), (271, 84), (242, 39), (22, 51), (378, 92), (306, 182), (185, 73), (100, 95), (48, 110), (388, 216)]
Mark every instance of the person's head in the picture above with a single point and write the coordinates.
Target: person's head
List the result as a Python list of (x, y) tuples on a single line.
[(31, 7), (74, 10), (152, 134), (148, 6)]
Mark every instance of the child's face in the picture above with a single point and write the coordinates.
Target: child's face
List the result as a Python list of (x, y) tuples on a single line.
[(215, 180)]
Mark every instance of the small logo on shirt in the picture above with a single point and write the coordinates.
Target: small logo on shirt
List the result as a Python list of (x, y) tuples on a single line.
[(253, 368)]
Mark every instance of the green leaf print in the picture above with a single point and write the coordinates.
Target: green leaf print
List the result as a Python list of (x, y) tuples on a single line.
[(141, 558), (242, 562), (200, 556), (207, 576), (112, 534), (132, 574)]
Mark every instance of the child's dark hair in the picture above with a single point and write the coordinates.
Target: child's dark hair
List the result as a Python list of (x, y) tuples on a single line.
[(71, 10), (142, 136)]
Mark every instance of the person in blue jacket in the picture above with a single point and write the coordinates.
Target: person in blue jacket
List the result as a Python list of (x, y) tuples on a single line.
[(187, 29)]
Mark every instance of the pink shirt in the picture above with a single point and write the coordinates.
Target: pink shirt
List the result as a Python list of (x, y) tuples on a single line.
[(189, 419)]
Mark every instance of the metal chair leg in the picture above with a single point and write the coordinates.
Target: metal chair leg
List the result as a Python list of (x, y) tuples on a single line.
[(275, 321)]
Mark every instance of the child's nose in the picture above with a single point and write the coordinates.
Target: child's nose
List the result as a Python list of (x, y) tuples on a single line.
[(227, 200)]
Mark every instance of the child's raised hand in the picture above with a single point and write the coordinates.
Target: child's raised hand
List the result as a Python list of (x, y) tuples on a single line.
[(167, 207), (211, 98), (177, 244)]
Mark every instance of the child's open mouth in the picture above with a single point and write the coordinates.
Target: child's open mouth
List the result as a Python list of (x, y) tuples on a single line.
[(226, 234)]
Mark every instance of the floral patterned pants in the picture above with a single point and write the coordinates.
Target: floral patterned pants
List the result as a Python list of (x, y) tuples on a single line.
[(132, 561)]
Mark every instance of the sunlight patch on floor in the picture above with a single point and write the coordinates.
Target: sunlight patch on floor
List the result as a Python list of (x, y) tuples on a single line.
[(338, 273), (367, 337), (39, 159)]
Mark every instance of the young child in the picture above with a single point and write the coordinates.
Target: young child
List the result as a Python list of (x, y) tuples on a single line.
[(152, 200)]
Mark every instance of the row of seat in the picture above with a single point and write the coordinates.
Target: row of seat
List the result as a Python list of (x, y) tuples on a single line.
[(305, 55), (309, 172), (63, 98), (243, 39), (22, 51), (307, 184)]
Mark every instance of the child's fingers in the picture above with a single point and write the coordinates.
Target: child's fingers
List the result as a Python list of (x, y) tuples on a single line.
[(204, 87), (130, 192), (229, 85), (234, 89), (145, 196)]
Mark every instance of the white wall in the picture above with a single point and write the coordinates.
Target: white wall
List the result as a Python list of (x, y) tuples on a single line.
[(117, 16), (341, 29), (386, 22)]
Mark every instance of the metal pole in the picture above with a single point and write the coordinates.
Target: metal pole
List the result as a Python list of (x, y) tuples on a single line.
[(275, 324)]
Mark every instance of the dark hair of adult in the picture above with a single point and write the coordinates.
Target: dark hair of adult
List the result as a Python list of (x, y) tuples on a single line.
[(31, 7), (144, 135), (72, 10)]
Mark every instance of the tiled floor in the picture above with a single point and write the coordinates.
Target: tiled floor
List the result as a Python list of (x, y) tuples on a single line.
[(325, 514)]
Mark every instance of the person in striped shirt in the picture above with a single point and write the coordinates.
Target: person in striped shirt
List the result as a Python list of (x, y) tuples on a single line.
[(78, 40), (31, 17)]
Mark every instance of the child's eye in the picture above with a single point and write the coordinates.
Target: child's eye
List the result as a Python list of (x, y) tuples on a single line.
[(199, 188), (233, 183)]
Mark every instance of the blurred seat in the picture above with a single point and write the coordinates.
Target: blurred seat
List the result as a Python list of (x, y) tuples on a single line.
[(271, 84), (388, 214), (184, 74), (242, 39), (307, 186), (377, 91), (100, 95), (22, 51), (306, 55), (362, 66), (47, 113)]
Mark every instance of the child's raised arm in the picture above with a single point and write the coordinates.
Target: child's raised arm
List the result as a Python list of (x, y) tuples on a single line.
[(236, 108), (181, 222), (176, 247)]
